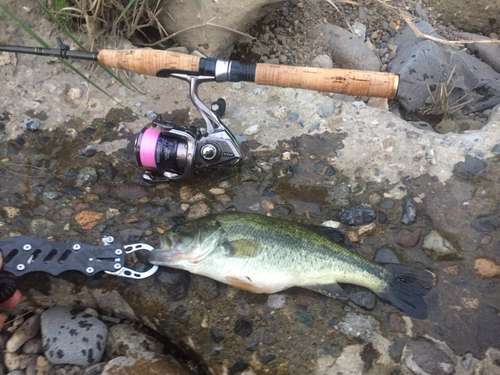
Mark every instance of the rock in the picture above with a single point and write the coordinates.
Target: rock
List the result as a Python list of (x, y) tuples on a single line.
[(206, 288), (381, 103), (151, 115), (366, 230), (386, 255), (216, 335), (474, 165), (30, 124), (408, 237), (42, 227), (217, 191), (113, 303), (144, 363), (486, 224), (489, 53), (359, 326), (73, 191), (360, 30), (88, 219), (348, 363), (26, 331), (348, 51), (322, 61), (131, 235), (72, 337), (429, 63), (198, 210), (382, 217), (313, 127), (486, 267), (125, 340), (438, 248), (461, 190), (52, 195), (358, 215), (361, 297), (295, 116), (33, 346), (239, 366), (74, 93), (409, 214), (491, 364), (339, 194), (276, 301), (130, 191), (424, 357), (87, 176), (325, 110), (304, 317), (396, 323), (496, 149), (243, 327), (176, 282), (213, 41)]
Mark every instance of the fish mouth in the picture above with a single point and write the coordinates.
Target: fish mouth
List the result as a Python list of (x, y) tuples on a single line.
[(164, 257)]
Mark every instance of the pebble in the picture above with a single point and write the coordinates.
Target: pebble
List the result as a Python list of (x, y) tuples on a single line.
[(358, 325), (243, 327), (87, 176), (239, 366), (33, 346), (276, 301), (362, 297), (251, 130), (330, 171), (52, 195), (121, 127), (409, 215), (358, 215), (438, 248), (293, 116), (396, 323), (424, 357), (123, 339), (387, 204), (486, 224), (30, 124), (496, 149), (382, 217), (176, 282), (131, 235), (474, 165), (217, 191), (366, 230), (268, 359), (339, 194), (206, 288), (151, 115), (198, 210), (408, 237), (386, 255), (25, 332), (486, 267), (72, 337), (313, 127), (359, 30), (304, 317), (216, 335), (88, 219), (325, 110)]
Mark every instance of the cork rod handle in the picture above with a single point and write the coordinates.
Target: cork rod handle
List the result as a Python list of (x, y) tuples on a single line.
[(341, 81), (148, 61)]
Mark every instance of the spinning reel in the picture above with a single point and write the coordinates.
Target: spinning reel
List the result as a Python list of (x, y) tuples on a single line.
[(172, 152)]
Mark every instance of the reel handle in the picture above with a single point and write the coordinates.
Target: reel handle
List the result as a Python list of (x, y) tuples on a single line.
[(342, 81)]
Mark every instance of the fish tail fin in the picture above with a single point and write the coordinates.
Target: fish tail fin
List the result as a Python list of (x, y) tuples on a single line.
[(406, 288)]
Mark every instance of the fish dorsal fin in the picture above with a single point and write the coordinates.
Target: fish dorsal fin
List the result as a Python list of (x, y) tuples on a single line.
[(332, 234), (330, 290), (244, 248)]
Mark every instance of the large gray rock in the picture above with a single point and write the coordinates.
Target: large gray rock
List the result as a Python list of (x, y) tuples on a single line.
[(489, 53), (71, 336), (420, 62), (211, 40), (348, 51)]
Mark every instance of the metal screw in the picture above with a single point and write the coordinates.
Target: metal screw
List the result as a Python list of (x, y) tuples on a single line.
[(215, 107), (20, 267), (27, 247), (117, 266), (118, 252), (76, 246), (89, 270)]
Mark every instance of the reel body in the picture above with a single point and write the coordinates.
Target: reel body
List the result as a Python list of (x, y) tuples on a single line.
[(170, 152)]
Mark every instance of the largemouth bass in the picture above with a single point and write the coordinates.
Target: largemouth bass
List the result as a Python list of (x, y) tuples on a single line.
[(267, 255)]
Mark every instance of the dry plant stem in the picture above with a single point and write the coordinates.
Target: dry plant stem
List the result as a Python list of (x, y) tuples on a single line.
[(207, 23)]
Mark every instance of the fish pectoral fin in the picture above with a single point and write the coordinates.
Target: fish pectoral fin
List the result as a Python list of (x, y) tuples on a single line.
[(239, 283), (243, 248), (330, 290)]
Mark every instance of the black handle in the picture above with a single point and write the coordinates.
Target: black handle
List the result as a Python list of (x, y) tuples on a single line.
[(23, 254)]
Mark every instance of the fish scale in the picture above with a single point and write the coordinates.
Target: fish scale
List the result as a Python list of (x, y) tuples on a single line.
[(267, 255)]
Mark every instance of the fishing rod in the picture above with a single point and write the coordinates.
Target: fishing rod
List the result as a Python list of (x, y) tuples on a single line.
[(170, 152)]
